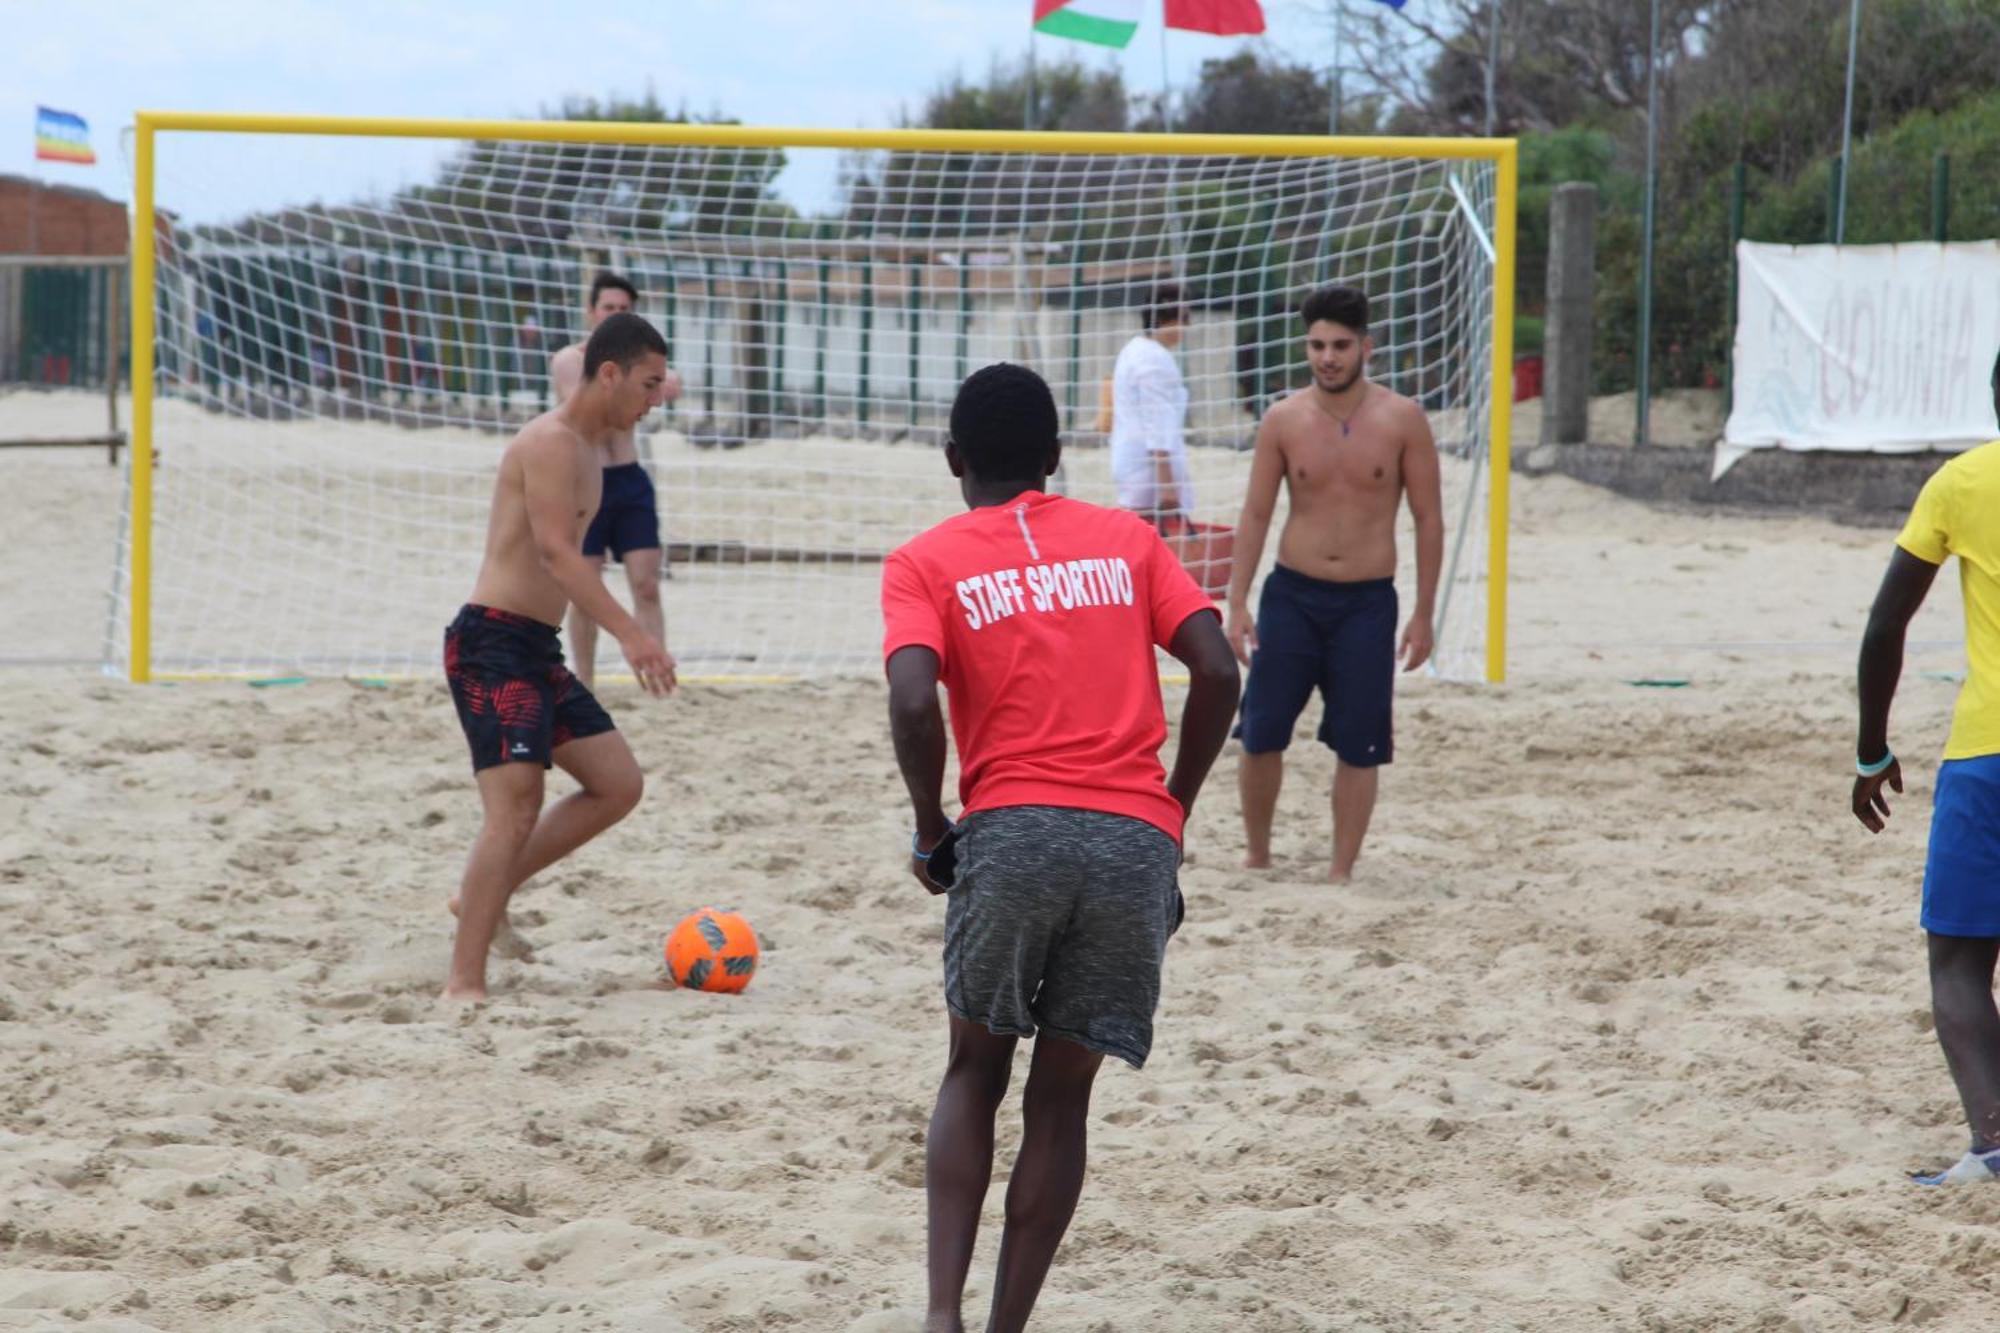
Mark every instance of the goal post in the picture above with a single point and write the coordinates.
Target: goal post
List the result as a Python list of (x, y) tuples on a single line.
[(360, 377)]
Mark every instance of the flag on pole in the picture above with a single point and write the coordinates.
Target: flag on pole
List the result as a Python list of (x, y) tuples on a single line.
[(62, 137), (1224, 18), (1105, 22)]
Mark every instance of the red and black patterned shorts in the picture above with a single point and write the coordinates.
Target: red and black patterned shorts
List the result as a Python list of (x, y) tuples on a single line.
[(516, 700)]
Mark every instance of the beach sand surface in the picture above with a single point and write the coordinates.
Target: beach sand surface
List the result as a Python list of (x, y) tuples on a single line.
[(1623, 1025)]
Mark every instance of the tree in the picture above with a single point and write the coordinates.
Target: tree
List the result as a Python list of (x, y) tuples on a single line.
[(1770, 87), (1088, 206), (549, 191), (358, 279), (529, 198), (1066, 95), (1561, 61), (1255, 92), (1766, 90), (955, 195), (1754, 82)]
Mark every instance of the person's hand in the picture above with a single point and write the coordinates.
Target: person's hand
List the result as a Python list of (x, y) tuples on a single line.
[(650, 662), (1418, 640), (921, 868), (670, 387), (1870, 806), (922, 871), (1242, 633)]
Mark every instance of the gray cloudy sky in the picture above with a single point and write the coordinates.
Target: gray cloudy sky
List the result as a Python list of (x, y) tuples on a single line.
[(837, 63)]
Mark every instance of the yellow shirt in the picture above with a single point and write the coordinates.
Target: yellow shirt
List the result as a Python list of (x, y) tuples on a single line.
[(1958, 514)]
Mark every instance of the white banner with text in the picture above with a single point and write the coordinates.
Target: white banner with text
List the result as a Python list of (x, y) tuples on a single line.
[(1864, 348)]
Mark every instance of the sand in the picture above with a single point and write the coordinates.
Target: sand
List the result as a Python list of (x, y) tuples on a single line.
[(1675, 419), (1624, 1025)]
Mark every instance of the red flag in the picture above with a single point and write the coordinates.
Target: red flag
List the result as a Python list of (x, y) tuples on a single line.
[(1224, 18)]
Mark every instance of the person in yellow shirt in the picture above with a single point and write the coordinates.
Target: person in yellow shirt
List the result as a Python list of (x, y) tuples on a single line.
[(1958, 514)]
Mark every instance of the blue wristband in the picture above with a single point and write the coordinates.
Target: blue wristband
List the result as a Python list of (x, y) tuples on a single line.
[(1877, 768), (917, 851)]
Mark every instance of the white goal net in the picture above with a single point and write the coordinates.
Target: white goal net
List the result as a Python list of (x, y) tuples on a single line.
[(337, 366)]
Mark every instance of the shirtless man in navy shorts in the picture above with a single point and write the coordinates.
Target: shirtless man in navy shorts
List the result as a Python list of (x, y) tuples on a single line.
[(627, 526), (1349, 451)]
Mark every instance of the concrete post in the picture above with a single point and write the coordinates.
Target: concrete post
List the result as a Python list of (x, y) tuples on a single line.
[(1566, 342)]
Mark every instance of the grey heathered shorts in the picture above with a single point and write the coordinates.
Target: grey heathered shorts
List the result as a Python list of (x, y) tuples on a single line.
[(1058, 922)]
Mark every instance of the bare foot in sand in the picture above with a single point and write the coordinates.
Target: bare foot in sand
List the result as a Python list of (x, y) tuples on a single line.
[(506, 943), (455, 994), (1255, 862)]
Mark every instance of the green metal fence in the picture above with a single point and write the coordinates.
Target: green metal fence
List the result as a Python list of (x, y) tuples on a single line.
[(62, 325), (61, 319)]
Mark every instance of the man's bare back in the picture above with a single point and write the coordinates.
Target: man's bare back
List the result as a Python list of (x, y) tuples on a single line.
[(1344, 485), (627, 524)]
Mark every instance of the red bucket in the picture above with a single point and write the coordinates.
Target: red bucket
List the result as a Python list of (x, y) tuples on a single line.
[(1207, 551), (1527, 378)]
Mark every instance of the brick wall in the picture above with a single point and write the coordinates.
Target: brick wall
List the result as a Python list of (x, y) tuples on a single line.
[(64, 220)]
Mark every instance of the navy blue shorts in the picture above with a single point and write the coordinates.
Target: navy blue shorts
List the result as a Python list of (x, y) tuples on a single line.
[(1338, 637), (517, 702), (628, 518), (1962, 871)]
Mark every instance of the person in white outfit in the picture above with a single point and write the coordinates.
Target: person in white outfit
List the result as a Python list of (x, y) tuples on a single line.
[(1149, 402)]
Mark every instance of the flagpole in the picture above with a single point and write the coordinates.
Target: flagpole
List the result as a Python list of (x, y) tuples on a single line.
[(1846, 126), (1642, 424), (1031, 116), (1493, 58), (1333, 87), (35, 183), (1166, 80)]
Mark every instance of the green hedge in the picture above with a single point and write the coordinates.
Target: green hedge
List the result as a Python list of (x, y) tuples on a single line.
[(1888, 199)]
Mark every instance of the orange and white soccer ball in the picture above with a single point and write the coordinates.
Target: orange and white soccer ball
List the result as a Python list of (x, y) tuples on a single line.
[(712, 950)]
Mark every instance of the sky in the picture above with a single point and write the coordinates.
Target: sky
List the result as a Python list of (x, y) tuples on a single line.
[(817, 63)]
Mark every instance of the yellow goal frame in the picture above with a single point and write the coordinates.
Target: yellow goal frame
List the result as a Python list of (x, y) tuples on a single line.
[(148, 125)]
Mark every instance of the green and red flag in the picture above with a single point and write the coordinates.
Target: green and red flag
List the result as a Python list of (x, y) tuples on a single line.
[(1105, 22)]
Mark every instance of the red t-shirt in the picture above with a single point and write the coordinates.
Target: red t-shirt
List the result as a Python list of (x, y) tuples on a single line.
[(1044, 613)]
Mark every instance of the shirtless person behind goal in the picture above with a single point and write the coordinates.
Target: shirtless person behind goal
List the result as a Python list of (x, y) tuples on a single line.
[(520, 707), (1348, 450), (627, 526)]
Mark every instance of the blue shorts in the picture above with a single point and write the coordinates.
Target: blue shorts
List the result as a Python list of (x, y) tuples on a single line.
[(628, 518), (1338, 637), (1962, 872)]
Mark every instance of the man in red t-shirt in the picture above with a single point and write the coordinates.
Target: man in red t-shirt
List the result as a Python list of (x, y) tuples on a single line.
[(1040, 615)]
